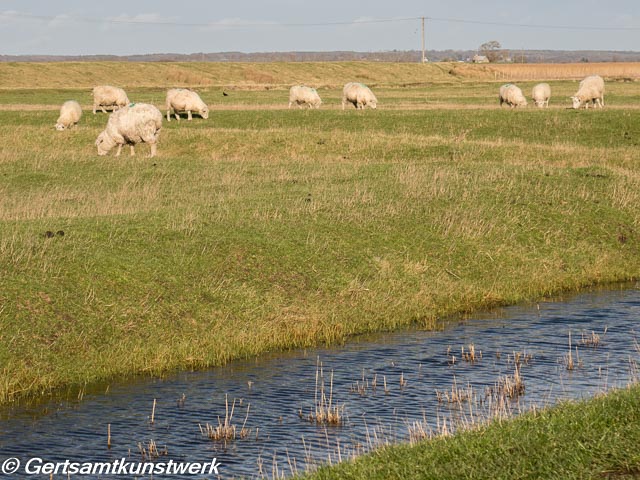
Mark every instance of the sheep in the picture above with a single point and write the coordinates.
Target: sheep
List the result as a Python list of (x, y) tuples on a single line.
[(70, 114), (512, 96), (184, 100), (541, 94), (136, 123), (108, 96), (358, 94), (591, 89), (304, 96)]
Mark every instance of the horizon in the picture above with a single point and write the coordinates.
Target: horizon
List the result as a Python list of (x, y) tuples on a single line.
[(77, 28)]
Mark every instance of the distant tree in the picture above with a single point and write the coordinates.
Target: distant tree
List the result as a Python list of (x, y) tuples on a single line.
[(491, 50)]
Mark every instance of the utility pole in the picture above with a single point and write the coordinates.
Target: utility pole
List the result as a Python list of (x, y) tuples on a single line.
[(422, 39)]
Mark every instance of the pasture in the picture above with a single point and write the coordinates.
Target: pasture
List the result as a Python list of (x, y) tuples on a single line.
[(265, 229)]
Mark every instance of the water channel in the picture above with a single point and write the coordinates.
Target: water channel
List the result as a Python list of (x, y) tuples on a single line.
[(423, 372)]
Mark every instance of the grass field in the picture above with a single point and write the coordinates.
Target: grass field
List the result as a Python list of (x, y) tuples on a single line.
[(265, 229)]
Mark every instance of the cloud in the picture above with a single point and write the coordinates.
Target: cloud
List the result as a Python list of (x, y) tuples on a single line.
[(124, 20), (237, 23), (8, 17), (60, 20)]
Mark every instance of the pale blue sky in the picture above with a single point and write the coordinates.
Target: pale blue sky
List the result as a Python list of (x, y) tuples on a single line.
[(72, 27)]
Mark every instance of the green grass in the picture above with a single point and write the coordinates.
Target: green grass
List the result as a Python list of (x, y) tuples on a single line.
[(268, 229), (597, 438)]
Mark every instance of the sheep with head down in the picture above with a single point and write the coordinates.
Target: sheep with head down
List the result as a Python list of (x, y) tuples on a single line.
[(512, 96), (541, 94), (108, 96), (185, 100), (70, 114), (359, 95), (304, 97), (591, 89), (136, 123)]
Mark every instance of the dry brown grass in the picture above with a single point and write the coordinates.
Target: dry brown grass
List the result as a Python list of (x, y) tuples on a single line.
[(225, 430), (562, 71)]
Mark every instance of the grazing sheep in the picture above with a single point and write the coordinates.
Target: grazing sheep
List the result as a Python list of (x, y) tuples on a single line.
[(512, 96), (137, 123), (591, 89), (184, 100), (304, 96), (70, 114), (108, 96), (541, 94), (358, 94)]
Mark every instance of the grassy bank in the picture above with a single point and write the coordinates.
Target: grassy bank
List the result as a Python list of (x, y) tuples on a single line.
[(593, 439), (264, 229)]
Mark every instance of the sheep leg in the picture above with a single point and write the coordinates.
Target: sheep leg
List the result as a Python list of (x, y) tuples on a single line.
[(189, 115), (102, 108), (343, 99), (133, 151), (119, 150), (169, 115), (94, 108), (154, 148), (176, 115)]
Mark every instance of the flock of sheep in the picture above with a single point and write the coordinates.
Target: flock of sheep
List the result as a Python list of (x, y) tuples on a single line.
[(133, 123), (591, 90)]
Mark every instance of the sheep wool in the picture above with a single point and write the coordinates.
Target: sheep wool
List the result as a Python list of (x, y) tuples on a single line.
[(304, 97), (541, 94), (70, 114), (359, 95), (512, 96), (136, 123), (108, 96), (185, 100), (591, 89)]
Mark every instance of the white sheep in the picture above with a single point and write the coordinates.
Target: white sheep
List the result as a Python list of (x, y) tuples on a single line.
[(184, 100), (512, 96), (541, 94), (358, 94), (304, 96), (70, 114), (591, 89), (108, 96), (137, 123)]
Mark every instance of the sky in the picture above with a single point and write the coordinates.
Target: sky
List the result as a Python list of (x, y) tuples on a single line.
[(121, 27)]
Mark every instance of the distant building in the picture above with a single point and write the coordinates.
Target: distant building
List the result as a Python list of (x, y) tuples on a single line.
[(480, 59)]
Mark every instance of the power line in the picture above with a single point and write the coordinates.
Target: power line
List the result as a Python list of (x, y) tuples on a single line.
[(140, 21), (531, 25)]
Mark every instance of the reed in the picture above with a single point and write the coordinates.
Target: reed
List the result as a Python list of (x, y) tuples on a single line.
[(508, 387), (593, 340), (226, 430), (520, 358), (324, 412), (153, 412), (150, 451), (456, 395), (568, 359), (471, 355)]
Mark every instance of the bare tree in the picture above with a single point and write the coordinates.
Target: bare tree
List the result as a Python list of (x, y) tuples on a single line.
[(491, 50)]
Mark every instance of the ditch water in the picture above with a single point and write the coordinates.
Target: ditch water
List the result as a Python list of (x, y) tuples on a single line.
[(269, 392)]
